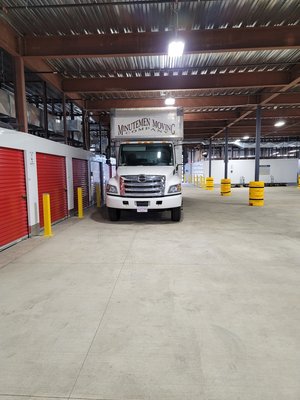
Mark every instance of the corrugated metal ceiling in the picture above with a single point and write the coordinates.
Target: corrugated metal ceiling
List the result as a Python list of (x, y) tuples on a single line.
[(189, 64), (52, 17)]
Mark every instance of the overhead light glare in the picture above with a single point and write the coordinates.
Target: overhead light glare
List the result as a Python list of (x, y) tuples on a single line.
[(293, 151), (279, 123), (246, 137), (170, 101), (175, 48)]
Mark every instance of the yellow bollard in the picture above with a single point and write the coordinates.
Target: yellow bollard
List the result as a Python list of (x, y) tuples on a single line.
[(190, 178), (209, 183), (298, 181), (98, 194), (202, 181), (79, 201), (225, 187), (256, 193), (47, 215), (196, 180)]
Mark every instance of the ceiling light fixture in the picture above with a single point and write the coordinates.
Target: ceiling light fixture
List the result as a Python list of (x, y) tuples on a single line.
[(246, 137), (279, 123), (175, 48), (169, 101)]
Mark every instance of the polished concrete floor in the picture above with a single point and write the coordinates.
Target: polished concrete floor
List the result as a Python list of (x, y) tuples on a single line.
[(147, 309)]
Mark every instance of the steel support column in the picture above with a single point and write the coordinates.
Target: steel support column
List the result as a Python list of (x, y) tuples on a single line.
[(209, 158), (257, 142), (64, 117), (100, 138), (45, 103), (226, 154), (83, 129), (20, 95)]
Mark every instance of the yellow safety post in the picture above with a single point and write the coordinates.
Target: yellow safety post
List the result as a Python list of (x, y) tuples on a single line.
[(79, 202), (209, 183), (256, 193), (199, 181), (225, 187), (196, 180), (190, 178), (98, 194), (298, 181), (202, 181), (47, 215)]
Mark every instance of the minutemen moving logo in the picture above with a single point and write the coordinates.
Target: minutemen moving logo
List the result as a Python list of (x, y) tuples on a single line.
[(146, 125)]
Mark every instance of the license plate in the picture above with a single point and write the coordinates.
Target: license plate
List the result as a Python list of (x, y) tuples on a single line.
[(142, 209)]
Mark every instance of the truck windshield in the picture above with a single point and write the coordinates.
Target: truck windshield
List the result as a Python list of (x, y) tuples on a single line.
[(146, 154)]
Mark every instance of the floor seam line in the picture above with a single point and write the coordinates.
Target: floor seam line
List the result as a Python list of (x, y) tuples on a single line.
[(102, 317)]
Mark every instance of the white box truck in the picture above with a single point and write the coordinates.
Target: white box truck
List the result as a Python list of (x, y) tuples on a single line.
[(148, 149)]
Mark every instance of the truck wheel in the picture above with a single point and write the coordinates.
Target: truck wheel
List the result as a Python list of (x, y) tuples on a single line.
[(114, 214), (176, 214)]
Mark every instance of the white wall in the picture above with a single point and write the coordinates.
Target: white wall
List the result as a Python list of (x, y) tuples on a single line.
[(281, 170), (31, 145)]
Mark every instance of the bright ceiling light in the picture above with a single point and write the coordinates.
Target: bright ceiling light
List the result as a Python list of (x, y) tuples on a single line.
[(279, 123), (175, 48), (246, 137), (170, 101)]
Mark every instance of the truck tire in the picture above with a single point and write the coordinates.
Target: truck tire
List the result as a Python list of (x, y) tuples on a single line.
[(176, 214), (114, 214)]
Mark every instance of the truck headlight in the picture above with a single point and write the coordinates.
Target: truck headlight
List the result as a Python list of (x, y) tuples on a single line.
[(111, 188), (175, 188)]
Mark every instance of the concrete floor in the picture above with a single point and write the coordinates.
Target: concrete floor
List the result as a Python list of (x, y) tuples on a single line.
[(148, 309)]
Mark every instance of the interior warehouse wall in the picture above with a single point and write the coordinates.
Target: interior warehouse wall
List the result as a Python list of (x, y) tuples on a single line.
[(31, 145), (280, 171)]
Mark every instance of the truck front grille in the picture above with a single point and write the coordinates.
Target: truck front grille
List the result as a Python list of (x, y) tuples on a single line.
[(142, 185)]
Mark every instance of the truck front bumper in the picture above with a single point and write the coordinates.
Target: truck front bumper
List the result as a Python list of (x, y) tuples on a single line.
[(154, 203)]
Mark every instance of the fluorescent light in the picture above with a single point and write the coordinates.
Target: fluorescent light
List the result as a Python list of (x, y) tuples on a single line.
[(246, 137), (170, 101), (175, 48), (279, 123), (293, 151), (274, 154)]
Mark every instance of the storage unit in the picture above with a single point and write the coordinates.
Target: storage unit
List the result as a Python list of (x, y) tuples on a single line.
[(51, 172), (13, 200), (80, 179)]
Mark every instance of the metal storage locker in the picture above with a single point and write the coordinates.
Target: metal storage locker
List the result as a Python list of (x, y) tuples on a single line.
[(51, 171), (80, 179), (13, 200)]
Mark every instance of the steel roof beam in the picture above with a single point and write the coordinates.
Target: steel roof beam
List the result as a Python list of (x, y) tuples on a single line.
[(193, 102), (156, 43), (213, 81)]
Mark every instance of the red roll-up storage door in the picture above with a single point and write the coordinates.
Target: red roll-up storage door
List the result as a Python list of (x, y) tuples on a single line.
[(51, 171), (80, 179), (13, 202)]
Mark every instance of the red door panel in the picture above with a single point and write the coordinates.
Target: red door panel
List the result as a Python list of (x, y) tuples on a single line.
[(80, 179), (13, 204), (51, 171)]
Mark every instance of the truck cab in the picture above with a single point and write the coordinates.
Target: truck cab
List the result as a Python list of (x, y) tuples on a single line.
[(148, 175)]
